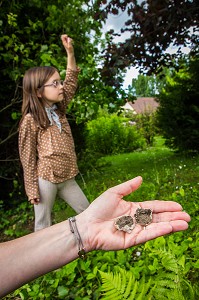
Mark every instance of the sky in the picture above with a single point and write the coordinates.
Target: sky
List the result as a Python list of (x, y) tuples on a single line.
[(116, 22)]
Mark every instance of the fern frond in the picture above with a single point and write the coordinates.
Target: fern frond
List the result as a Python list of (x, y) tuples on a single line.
[(112, 295), (111, 285), (177, 294), (147, 286), (134, 291), (169, 276), (167, 283), (124, 282), (131, 282), (160, 294), (191, 293), (122, 285), (110, 280), (168, 289), (170, 263)]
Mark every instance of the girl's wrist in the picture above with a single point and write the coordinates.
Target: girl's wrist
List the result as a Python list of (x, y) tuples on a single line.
[(70, 53)]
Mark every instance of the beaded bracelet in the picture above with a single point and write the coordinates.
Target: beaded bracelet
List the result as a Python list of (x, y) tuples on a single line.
[(74, 230)]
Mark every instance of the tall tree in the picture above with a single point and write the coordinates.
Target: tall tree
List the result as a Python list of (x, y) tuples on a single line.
[(152, 26), (144, 86), (178, 113), (149, 86)]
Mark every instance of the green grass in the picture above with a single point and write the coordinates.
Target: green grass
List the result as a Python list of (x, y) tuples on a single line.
[(164, 173)]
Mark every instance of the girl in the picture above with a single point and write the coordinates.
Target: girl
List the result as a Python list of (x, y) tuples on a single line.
[(46, 145)]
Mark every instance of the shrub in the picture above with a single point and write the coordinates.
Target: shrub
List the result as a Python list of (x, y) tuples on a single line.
[(146, 124), (111, 134), (178, 113)]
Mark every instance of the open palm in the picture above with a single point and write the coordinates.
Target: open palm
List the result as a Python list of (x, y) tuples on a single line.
[(167, 217)]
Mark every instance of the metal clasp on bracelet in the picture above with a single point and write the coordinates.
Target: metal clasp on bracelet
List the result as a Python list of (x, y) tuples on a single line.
[(74, 230)]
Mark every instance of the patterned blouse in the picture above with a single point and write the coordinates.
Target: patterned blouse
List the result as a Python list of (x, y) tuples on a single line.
[(48, 153)]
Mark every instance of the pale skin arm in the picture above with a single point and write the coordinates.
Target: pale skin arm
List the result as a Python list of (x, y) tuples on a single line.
[(68, 45), (33, 255)]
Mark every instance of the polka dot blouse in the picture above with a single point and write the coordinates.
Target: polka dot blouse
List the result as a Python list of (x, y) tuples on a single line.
[(48, 153)]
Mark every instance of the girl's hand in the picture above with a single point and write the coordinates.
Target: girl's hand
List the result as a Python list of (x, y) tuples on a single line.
[(35, 201), (67, 43)]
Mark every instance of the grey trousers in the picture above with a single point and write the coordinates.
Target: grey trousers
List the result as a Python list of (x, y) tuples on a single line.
[(68, 190)]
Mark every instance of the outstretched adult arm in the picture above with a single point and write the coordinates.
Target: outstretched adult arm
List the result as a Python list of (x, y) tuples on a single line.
[(35, 254)]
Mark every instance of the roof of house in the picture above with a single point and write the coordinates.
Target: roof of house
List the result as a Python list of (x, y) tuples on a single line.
[(142, 105)]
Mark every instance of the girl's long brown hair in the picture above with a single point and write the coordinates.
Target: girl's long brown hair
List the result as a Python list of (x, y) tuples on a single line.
[(33, 82)]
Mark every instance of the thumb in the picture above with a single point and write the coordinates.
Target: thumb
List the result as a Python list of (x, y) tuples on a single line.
[(127, 187)]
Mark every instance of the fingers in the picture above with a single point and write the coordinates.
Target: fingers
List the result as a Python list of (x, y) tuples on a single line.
[(179, 225), (171, 216), (64, 37), (161, 206), (127, 187), (35, 201), (165, 211), (66, 40), (154, 230)]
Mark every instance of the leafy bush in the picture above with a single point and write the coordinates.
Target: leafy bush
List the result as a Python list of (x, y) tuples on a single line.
[(111, 134), (146, 124), (160, 273), (178, 113)]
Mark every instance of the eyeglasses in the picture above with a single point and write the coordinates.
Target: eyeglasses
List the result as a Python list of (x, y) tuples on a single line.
[(55, 83)]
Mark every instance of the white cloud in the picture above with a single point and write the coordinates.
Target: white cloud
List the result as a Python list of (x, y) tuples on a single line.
[(116, 22), (174, 49), (130, 74)]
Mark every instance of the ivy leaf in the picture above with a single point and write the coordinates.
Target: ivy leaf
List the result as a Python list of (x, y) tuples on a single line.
[(62, 291)]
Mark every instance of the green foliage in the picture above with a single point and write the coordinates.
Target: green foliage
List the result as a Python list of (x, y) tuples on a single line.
[(122, 285), (169, 263), (150, 28), (146, 124), (149, 86), (178, 113), (17, 224), (30, 36), (169, 278), (145, 86), (111, 134), (93, 94), (162, 278)]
